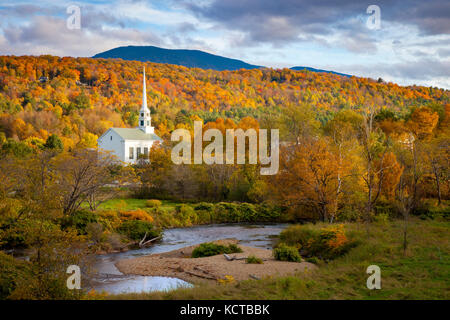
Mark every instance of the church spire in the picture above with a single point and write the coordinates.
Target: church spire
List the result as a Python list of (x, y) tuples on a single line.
[(144, 94), (144, 113)]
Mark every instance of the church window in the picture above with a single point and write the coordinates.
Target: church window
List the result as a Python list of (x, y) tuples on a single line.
[(148, 123), (138, 152), (142, 114), (131, 152), (111, 138), (146, 152), (148, 115), (142, 123)]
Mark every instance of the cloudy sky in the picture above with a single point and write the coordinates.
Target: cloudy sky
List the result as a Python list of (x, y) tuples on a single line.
[(411, 45)]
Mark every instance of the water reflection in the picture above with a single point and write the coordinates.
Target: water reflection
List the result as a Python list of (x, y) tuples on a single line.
[(140, 284)]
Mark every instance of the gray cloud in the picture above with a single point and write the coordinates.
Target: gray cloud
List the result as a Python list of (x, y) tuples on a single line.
[(444, 53), (289, 20), (27, 10), (185, 27), (50, 35), (91, 17), (425, 70), (96, 20), (273, 21), (430, 17)]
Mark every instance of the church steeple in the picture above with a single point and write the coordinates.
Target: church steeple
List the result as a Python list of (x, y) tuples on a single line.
[(144, 114)]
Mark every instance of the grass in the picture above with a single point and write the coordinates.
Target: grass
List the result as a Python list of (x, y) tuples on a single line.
[(423, 272), (128, 204)]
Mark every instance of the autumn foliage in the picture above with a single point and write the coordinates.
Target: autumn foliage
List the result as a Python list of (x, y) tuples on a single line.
[(80, 98)]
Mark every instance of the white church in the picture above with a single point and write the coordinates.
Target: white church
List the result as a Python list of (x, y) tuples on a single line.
[(129, 144)]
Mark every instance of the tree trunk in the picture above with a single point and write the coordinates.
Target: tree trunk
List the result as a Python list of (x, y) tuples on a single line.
[(438, 184)]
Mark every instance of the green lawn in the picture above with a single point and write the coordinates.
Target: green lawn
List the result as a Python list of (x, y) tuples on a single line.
[(422, 273)]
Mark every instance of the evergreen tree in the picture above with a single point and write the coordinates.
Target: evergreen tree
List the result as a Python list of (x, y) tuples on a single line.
[(54, 142)]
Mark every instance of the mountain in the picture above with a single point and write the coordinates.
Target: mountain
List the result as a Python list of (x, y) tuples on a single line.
[(320, 70), (187, 58)]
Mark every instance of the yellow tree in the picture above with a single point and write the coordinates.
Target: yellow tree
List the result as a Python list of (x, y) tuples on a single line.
[(421, 125), (437, 155), (297, 121), (343, 132), (389, 173), (308, 177), (422, 122)]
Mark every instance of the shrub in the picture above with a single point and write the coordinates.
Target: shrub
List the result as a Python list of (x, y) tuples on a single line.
[(165, 219), (334, 243), (36, 286), (286, 253), (153, 203), (208, 249), (11, 269), (138, 214), (13, 233), (226, 212), (387, 209), (326, 243), (94, 231), (80, 219), (109, 219), (253, 260), (232, 248), (247, 212), (333, 237), (205, 206), (314, 260), (21, 280), (267, 212), (136, 229), (204, 216), (185, 214), (298, 235), (114, 240)]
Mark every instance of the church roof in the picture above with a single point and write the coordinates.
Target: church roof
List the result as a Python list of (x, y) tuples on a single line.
[(135, 134)]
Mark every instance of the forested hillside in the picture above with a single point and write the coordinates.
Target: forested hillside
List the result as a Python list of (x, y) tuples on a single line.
[(79, 98)]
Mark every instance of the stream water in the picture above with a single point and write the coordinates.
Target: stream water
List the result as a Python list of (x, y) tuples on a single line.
[(113, 281)]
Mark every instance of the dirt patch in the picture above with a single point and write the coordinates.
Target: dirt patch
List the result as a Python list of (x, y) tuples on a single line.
[(179, 264)]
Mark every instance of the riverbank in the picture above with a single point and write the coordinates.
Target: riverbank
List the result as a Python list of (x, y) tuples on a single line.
[(422, 272), (179, 264), (119, 225)]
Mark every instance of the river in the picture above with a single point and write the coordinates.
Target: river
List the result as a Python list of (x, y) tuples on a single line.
[(113, 281)]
